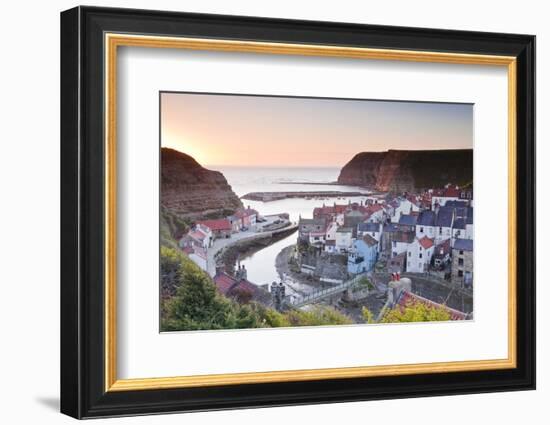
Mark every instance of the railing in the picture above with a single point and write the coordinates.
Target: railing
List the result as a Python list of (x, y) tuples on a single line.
[(323, 293)]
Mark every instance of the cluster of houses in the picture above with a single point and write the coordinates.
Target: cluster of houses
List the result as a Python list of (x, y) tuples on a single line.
[(200, 237), (432, 231)]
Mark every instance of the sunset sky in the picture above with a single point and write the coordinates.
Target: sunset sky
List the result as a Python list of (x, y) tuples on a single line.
[(285, 131)]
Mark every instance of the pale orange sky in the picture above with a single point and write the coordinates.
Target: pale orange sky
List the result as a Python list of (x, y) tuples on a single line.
[(285, 131)]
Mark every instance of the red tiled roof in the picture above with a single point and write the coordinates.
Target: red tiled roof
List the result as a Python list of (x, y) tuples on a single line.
[(224, 282), (197, 234), (426, 242), (407, 298), (227, 285), (197, 250), (326, 210), (221, 224), (245, 286), (245, 213), (451, 192), (369, 240)]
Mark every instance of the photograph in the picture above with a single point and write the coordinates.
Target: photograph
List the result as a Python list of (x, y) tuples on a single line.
[(264, 211), (279, 211)]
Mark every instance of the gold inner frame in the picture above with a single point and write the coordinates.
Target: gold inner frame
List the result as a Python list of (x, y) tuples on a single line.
[(113, 41)]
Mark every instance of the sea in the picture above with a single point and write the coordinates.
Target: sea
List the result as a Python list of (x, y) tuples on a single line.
[(261, 265)]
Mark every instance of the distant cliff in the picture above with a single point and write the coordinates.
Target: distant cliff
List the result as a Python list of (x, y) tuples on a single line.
[(191, 191), (397, 170)]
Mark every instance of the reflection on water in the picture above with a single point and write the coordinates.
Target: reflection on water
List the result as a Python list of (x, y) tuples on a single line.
[(261, 265)]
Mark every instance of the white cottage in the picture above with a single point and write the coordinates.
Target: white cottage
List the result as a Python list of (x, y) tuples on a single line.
[(331, 231), (405, 207), (344, 239), (419, 255)]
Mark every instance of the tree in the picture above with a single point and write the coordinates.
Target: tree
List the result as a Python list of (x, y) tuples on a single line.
[(170, 263), (416, 312), (317, 316), (196, 303), (367, 315), (365, 282)]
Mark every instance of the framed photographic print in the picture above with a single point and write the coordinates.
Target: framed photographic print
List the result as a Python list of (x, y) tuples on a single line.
[(261, 212)]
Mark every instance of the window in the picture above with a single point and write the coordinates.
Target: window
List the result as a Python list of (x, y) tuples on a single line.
[(461, 252), (420, 255), (460, 273), (440, 230), (421, 230), (410, 253), (419, 265), (461, 261)]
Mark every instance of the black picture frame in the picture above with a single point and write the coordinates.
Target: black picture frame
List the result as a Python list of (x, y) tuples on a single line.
[(82, 212)]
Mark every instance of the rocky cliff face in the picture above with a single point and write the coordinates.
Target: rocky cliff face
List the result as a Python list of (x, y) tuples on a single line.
[(191, 191), (398, 171)]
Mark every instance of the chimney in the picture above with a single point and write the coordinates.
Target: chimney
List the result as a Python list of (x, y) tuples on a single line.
[(396, 287)]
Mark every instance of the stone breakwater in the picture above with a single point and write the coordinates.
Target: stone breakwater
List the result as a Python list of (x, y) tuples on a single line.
[(277, 196)]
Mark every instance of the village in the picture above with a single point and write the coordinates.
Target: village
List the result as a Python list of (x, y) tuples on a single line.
[(430, 233), (408, 247), (206, 240)]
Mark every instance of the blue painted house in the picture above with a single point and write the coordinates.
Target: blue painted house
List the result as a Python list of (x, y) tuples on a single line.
[(364, 255)]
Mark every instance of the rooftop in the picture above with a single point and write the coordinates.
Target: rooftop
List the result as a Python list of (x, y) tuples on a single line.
[(401, 236), (464, 244), (369, 240), (368, 227), (221, 224), (227, 284), (460, 224), (245, 213), (312, 221), (407, 298), (444, 217), (454, 203), (426, 242), (391, 227), (443, 248), (344, 230), (426, 218), (408, 220)]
